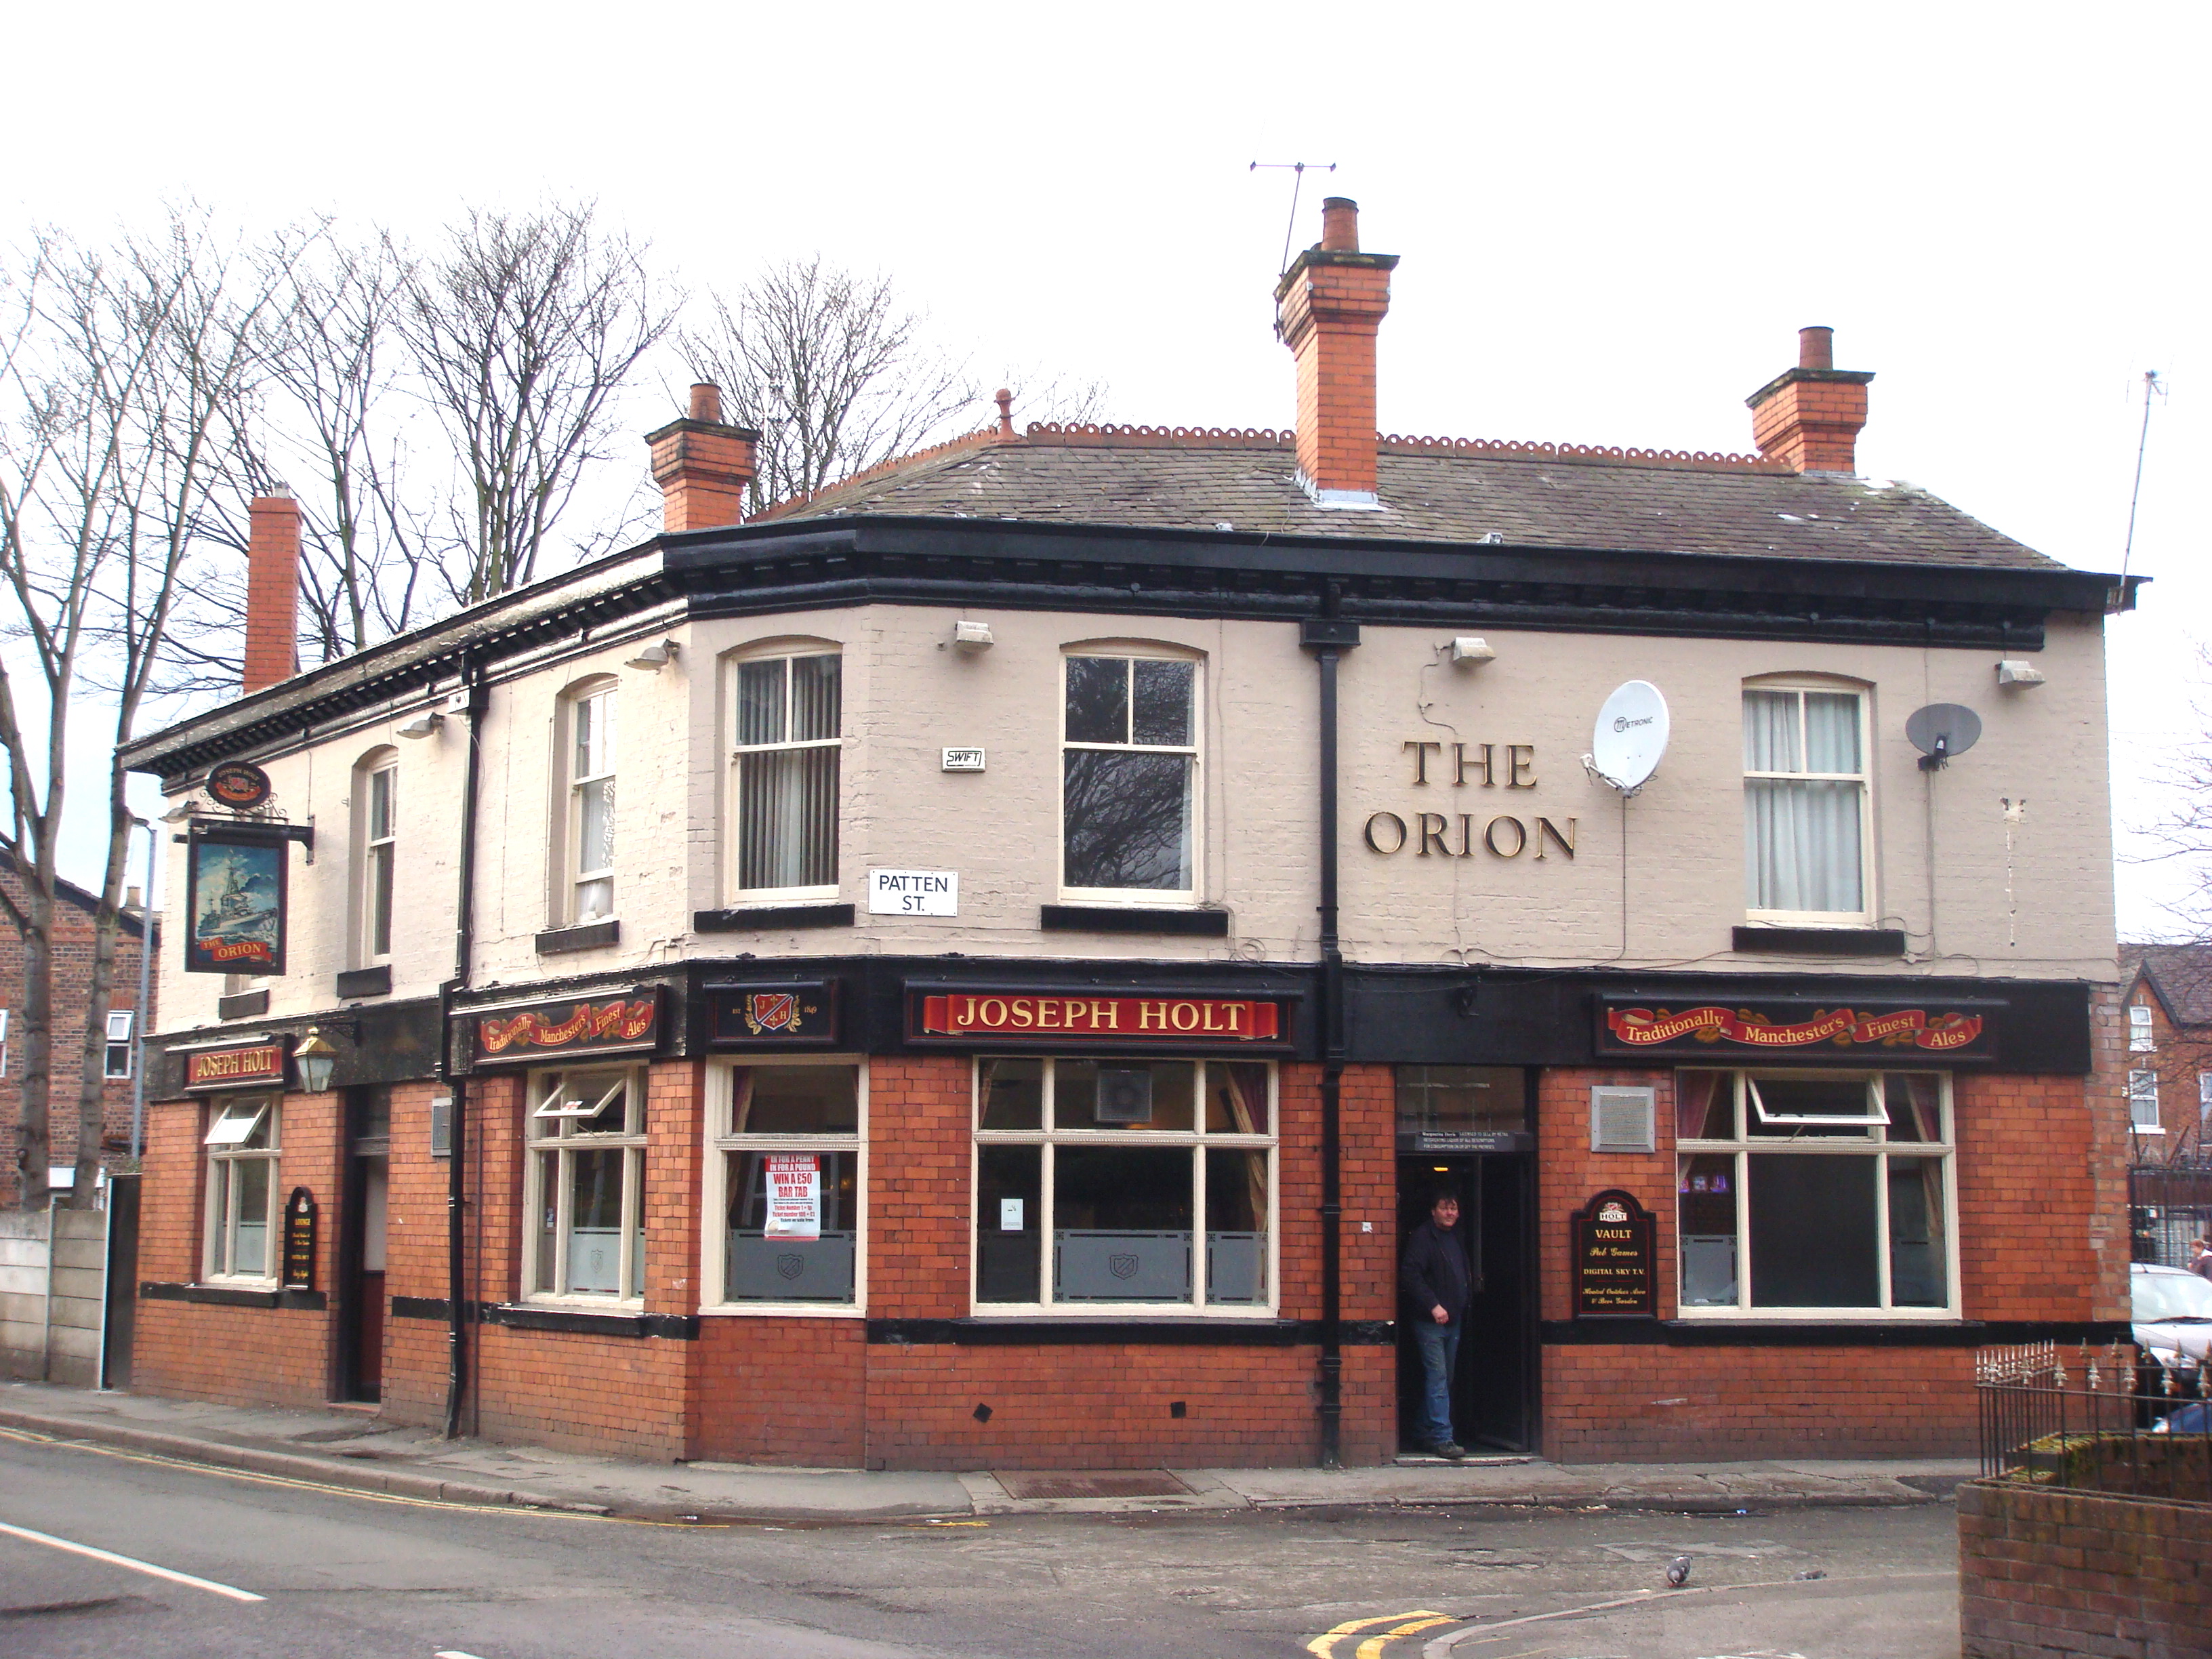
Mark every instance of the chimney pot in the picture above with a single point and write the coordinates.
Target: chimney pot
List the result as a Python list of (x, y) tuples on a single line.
[(1339, 225), (1004, 399), (272, 589), (1816, 348), (1810, 417), (703, 467), (706, 401)]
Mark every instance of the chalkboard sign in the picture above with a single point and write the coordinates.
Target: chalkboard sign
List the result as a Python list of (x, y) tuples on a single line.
[(300, 1241), (1615, 1273)]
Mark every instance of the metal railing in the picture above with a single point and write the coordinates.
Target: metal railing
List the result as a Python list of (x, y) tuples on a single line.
[(2113, 1421)]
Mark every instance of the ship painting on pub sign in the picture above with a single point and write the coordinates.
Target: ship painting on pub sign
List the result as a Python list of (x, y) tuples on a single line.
[(237, 908)]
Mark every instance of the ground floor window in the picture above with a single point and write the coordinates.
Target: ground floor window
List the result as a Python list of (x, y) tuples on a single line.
[(242, 1150), (1114, 1182), (584, 1179), (1802, 1191), (784, 1174)]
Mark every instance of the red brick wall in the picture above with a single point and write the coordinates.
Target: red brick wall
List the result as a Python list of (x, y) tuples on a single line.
[(2046, 1573), (2181, 1055), (72, 994)]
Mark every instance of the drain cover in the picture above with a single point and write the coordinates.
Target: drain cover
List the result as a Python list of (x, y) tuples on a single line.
[(1106, 1483)]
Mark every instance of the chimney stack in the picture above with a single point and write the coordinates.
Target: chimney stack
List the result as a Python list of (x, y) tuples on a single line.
[(703, 467), (1810, 416), (272, 591), (1328, 306)]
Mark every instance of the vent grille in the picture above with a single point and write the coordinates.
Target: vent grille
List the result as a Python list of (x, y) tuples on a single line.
[(1624, 1120)]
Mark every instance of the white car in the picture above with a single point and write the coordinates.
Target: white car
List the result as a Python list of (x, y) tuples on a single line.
[(2172, 1315)]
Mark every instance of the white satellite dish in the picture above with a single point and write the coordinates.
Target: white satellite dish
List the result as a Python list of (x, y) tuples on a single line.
[(1630, 737)]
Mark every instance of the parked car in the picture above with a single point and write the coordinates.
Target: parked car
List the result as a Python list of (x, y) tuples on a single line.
[(2173, 1316)]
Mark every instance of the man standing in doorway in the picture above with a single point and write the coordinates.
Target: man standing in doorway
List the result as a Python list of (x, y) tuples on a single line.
[(1437, 1285)]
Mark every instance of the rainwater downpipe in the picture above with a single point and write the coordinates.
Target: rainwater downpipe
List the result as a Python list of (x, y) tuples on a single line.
[(144, 1018), (1328, 637), (456, 1300)]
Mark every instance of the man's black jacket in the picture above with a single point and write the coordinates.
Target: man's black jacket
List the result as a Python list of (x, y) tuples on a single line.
[(1434, 1271)]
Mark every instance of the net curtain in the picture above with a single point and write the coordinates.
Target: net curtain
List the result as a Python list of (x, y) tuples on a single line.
[(1802, 835)]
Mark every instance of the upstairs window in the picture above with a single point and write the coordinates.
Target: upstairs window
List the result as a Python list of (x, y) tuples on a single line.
[(120, 1023), (1129, 766), (2142, 1103), (592, 806), (2141, 1039), (1805, 804), (788, 729), (376, 786)]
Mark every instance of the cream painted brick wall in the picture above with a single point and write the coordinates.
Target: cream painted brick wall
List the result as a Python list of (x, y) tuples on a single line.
[(908, 694)]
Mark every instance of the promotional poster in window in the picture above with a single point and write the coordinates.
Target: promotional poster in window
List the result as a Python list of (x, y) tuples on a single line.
[(236, 907)]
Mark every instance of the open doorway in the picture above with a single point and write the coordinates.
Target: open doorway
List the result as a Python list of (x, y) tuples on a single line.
[(360, 1243), (1465, 1130)]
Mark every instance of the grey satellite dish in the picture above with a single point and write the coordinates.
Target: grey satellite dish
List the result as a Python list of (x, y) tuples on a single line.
[(1941, 730), (1630, 738)]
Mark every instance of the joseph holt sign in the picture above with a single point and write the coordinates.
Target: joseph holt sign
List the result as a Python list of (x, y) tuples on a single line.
[(1062, 1017)]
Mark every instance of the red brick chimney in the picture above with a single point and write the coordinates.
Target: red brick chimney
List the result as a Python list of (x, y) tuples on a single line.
[(1328, 306), (272, 591), (702, 467), (1810, 416)]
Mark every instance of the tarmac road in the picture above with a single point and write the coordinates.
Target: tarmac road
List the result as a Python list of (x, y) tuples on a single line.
[(343, 1573)]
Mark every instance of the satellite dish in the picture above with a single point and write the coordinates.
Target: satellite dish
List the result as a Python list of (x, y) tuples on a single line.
[(1630, 737), (1941, 730)]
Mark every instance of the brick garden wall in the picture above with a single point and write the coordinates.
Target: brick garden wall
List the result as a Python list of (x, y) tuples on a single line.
[(2045, 1573)]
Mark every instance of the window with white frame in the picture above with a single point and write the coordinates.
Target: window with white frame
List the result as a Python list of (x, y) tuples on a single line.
[(785, 1174), (1805, 804), (1105, 1184), (1129, 776), (3, 1042), (376, 802), (787, 729), (2142, 1103), (242, 1150), (1803, 1192), (2204, 1097), (584, 1184), (590, 806), (117, 1059), (2141, 1038)]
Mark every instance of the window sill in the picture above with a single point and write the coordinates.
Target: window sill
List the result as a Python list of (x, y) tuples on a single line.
[(1133, 919), (242, 1293), (246, 1005), (783, 1310), (366, 981), (763, 917), (617, 1321), (1757, 940), (589, 936), (1027, 1328), (2146, 1129), (1949, 1331)]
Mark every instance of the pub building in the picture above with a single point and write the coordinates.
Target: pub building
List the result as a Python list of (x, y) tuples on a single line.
[(982, 967)]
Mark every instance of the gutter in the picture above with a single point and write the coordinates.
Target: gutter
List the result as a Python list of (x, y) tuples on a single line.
[(465, 925)]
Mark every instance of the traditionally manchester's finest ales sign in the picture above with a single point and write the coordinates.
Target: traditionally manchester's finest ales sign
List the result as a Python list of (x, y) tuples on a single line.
[(1614, 1272), (1795, 1030), (1055, 1017), (622, 1025), (255, 1066)]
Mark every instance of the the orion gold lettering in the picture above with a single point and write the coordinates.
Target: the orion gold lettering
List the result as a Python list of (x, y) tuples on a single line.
[(1519, 837), (1395, 822), (1461, 762), (1432, 835), (1421, 758)]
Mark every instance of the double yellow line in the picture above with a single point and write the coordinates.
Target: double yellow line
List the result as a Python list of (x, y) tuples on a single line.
[(1403, 1623)]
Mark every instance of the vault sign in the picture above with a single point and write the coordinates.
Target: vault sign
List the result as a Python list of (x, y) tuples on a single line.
[(1614, 1275)]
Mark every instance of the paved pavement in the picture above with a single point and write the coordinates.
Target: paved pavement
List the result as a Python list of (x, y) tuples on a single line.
[(107, 1549), (354, 1449)]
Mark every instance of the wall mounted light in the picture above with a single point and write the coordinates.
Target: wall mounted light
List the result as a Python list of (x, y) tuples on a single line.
[(1471, 649), (315, 1055), (183, 812), (2010, 672), (655, 657), (424, 724), (972, 636)]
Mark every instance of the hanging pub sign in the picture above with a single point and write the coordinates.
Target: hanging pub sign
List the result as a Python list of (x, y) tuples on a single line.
[(239, 785), (255, 1065), (623, 1023), (300, 1214), (1614, 1271), (791, 1016), (1086, 1019), (1799, 1032), (235, 890)]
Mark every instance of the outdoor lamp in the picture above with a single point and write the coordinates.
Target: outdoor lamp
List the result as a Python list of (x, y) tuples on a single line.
[(655, 657), (316, 1057)]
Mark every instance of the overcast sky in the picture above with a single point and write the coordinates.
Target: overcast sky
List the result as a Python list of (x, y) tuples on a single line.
[(1612, 217)]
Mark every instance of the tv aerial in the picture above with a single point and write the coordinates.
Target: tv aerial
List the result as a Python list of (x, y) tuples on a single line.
[(1941, 730), (1630, 736)]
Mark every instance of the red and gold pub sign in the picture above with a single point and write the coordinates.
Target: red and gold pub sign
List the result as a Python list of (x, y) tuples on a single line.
[(1065, 1017), (259, 1066)]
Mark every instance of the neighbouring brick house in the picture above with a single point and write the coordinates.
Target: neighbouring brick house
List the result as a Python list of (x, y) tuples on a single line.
[(979, 967), (2167, 990), (71, 996)]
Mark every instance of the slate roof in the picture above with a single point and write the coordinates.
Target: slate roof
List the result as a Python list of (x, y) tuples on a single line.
[(2180, 975), (1524, 498)]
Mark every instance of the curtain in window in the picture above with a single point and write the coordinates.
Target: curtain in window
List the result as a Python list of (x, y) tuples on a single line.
[(1801, 835), (787, 818)]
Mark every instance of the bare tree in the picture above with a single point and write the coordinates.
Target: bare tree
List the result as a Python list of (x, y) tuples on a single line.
[(522, 328), (117, 367), (2182, 831)]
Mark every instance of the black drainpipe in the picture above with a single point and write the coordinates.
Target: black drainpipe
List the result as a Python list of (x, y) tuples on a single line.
[(1328, 637), (465, 928)]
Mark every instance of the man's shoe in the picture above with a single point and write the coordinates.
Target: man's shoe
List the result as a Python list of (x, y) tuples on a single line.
[(1450, 1449)]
